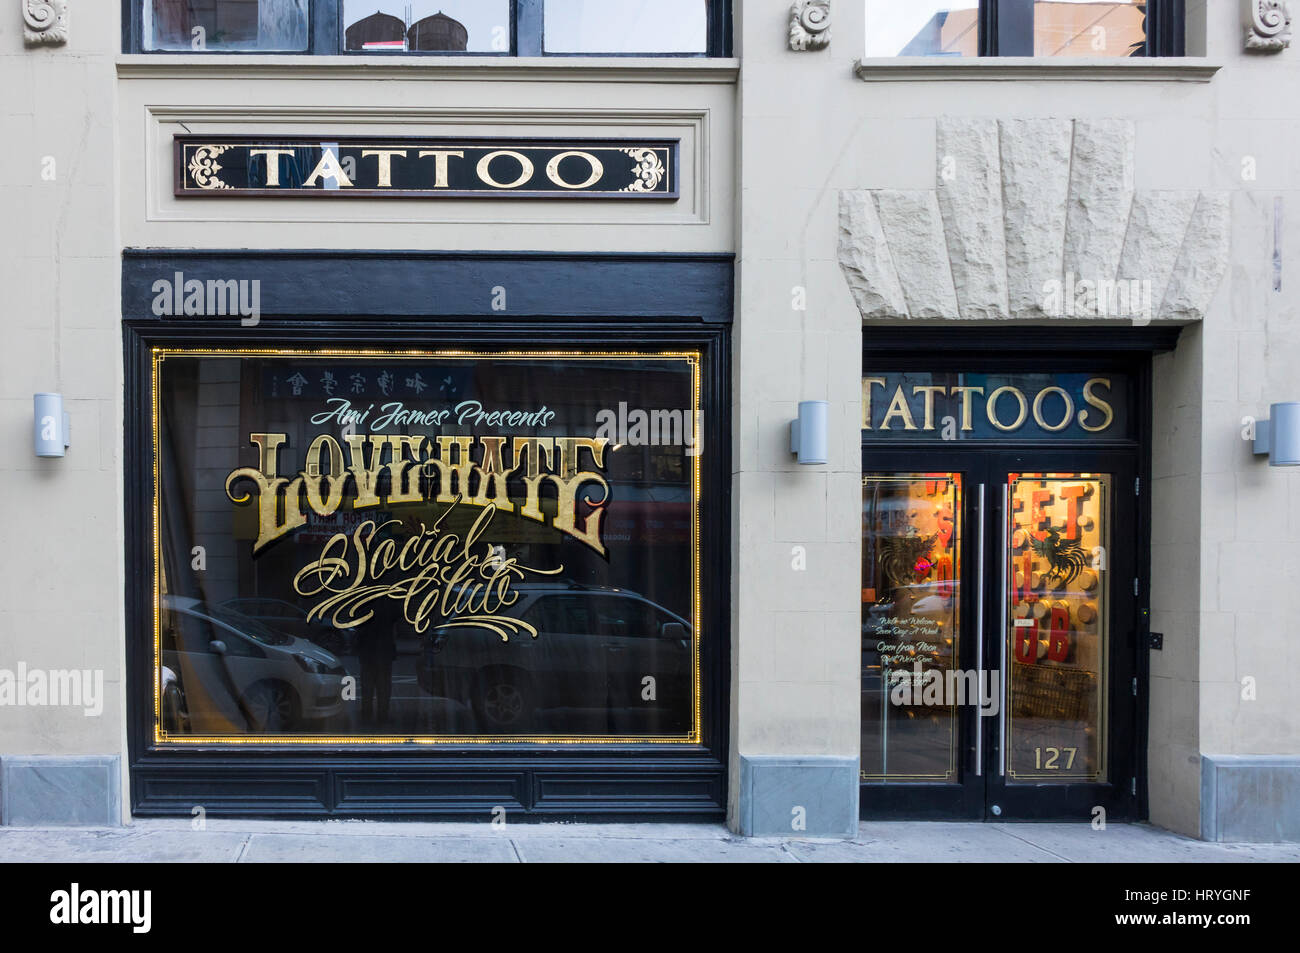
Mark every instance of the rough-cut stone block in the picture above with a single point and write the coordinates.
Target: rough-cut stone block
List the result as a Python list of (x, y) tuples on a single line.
[(1156, 229), (1025, 209), (970, 198), (1202, 260), (865, 261), (1035, 185), (913, 228), (1101, 197)]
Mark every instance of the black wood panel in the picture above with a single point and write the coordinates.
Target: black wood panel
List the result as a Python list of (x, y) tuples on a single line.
[(432, 284)]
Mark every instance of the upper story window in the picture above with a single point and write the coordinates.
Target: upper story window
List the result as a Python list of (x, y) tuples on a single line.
[(427, 26), (229, 25), (432, 27), (1040, 28), (631, 26)]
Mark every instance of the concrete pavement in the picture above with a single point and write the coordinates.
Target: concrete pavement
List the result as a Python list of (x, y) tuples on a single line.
[(233, 841)]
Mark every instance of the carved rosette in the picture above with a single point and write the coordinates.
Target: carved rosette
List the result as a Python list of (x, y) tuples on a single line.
[(1269, 25), (810, 25), (204, 167), (649, 168), (45, 22)]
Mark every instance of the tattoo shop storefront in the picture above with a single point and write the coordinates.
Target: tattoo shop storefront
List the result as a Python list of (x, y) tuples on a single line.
[(427, 533)]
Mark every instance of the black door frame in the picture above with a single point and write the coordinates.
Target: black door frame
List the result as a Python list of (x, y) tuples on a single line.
[(332, 299), (989, 349)]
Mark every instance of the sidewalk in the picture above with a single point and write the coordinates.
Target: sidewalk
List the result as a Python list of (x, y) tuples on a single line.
[(229, 841)]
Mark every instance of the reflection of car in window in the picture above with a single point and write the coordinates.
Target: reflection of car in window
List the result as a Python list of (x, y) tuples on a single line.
[(595, 649), (224, 672), (288, 618)]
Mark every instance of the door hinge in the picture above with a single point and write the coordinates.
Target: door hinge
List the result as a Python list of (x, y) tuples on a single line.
[(1136, 586), (1137, 486), (1135, 686), (1133, 786)]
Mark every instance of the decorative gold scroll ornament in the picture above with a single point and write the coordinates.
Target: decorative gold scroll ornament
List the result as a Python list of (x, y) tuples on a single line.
[(649, 168), (204, 167), (435, 575)]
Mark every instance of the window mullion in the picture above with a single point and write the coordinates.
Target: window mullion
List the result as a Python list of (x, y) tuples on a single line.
[(326, 31), (1166, 28), (528, 28), (1012, 28)]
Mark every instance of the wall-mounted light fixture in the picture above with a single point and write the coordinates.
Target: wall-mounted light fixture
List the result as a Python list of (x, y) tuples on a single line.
[(51, 431), (1279, 436), (808, 437)]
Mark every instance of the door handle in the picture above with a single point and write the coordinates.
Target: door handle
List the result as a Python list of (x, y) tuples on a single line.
[(979, 635), (1002, 636)]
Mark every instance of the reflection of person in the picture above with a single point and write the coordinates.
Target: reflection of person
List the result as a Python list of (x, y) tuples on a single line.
[(377, 649)]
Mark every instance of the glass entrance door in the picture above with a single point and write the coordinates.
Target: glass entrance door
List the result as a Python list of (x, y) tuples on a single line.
[(998, 635)]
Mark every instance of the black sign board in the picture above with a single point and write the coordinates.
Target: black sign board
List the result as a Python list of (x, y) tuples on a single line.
[(224, 166), (925, 405)]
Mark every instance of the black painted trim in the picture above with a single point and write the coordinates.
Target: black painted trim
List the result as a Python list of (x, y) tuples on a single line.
[(527, 28), (623, 782), (1166, 28), (1012, 337), (326, 28), (987, 28), (348, 284)]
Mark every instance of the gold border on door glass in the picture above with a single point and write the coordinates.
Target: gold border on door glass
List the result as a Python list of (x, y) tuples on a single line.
[(1104, 481), (956, 478), (693, 359)]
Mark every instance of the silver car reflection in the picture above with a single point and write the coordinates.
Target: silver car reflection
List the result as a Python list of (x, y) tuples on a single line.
[(237, 675)]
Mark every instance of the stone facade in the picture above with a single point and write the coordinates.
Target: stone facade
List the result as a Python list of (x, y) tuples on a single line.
[(1021, 207)]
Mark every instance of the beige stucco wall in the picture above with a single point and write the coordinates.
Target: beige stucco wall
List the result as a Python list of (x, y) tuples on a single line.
[(61, 562)]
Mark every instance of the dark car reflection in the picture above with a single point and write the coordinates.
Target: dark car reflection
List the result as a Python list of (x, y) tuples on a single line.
[(225, 672), (604, 651), (287, 617)]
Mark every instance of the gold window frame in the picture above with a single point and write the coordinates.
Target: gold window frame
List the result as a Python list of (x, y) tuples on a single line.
[(692, 358)]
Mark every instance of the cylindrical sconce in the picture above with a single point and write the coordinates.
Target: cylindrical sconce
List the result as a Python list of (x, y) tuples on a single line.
[(1279, 436), (808, 434), (50, 432)]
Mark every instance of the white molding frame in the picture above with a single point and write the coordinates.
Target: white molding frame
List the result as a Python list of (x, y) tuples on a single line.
[(694, 125), (912, 69), (473, 69)]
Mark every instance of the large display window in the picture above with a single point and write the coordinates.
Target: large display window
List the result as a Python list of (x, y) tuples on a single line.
[(430, 547), (393, 551)]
